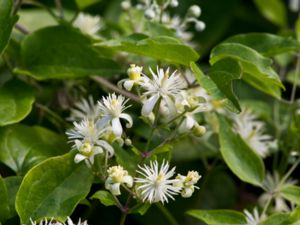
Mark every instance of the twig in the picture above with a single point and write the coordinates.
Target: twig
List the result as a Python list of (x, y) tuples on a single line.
[(22, 29), (17, 6), (59, 8), (115, 88)]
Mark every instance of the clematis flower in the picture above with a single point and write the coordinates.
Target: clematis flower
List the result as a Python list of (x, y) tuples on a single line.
[(187, 183), (84, 109), (116, 177), (162, 87), (253, 132), (88, 24), (53, 222), (111, 110), (134, 73), (253, 218), (155, 183)]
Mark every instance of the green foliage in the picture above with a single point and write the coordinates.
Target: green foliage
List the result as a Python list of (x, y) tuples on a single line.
[(159, 47), (257, 70), (4, 206), (291, 193), (16, 99), (273, 10), (69, 54), (53, 189), (105, 197), (266, 44), (86, 3), (22, 147), (239, 157), (7, 22), (217, 217)]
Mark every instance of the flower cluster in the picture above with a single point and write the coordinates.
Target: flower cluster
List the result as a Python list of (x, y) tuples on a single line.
[(52, 222), (88, 24), (153, 183), (97, 126)]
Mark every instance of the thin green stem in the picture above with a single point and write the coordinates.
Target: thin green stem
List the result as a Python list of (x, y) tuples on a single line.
[(50, 112), (297, 70), (290, 171), (17, 6), (167, 214), (123, 218), (266, 206), (59, 8)]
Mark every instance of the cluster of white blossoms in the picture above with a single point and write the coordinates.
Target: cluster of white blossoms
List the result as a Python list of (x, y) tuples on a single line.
[(253, 132), (169, 94), (52, 222), (157, 12), (96, 126), (153, 183), (253, 218), (88, 24)]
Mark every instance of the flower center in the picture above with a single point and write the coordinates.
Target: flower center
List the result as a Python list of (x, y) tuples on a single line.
[(160, 178)]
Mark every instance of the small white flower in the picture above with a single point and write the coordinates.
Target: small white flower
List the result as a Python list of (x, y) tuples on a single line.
[(253, 132), (294, 5), (116, 177), (272, 184), (52, 222), (156, 184), (252, 218), (88, 24), (187, 183), (111, 109), (87, 137), (162, 86), (134, 72), (194, 11), (84, 109)]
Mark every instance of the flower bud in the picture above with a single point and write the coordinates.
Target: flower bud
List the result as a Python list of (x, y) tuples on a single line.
[(126, 5), (150, 14), (128, 142), (134, 72), (198, 130), (194, 11), (199, 25), (174, 3)]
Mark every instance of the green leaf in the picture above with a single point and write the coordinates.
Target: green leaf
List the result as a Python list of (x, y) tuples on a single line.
[(278, 219), (159, 47), (141, 208), (62, 52), (85, 3), (273, 10), (22, 147), (223, 73), (239, 157), (291, 193), (4, 206), (105, 197), (126, 159), (257, 68), (7, 22), (209, 85), (266, 44), (12, 184), (16, 99), (218, 217), (53, 188)]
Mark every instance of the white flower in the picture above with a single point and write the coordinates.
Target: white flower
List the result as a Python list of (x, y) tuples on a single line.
[(161, 86), (84, 109), (111, 109), (294, 5), (116, 177), (253, 132), (187, 183), (194, 11), (272, 184), (254, 218), (134, 72), (156, 184), (88, 24), (87, 137), (52, 222)]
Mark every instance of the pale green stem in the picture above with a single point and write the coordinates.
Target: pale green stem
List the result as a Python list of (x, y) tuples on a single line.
[(167, 214)]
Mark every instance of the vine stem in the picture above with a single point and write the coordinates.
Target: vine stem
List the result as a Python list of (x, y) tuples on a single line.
[(286, 176), (266, 207), (123, 218), (297, 70), (115, 88), (59, 8), (167, 214)]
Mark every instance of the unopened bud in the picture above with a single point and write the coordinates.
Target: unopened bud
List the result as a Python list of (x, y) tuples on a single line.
[(174, 3), (199, 25), (194, 11), (198, 130), (128, 142), (150, 14), (126, 5)]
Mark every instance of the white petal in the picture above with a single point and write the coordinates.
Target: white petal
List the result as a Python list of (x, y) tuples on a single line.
[(128, 84), (128, 180), (128, 118), (117, 127), (115, 189), (171, 105), (106, 146), (78, 158), (190, 122), (149, 105)]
